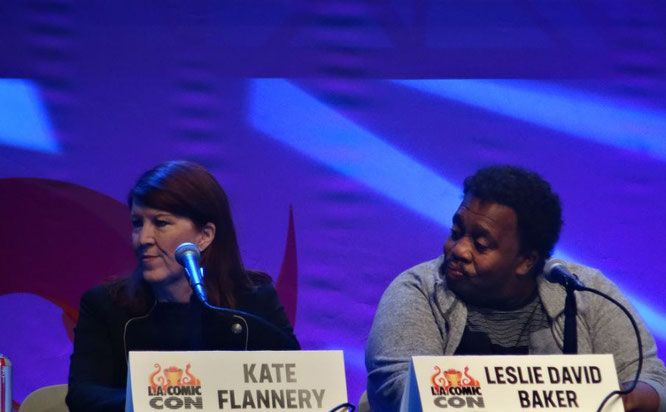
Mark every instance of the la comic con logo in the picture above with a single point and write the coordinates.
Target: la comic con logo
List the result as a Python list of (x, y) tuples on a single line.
[(172, 388), (452, 388)]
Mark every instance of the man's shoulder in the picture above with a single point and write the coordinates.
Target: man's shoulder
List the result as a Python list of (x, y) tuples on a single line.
[(422, 276), (590, 276), (424, 270)]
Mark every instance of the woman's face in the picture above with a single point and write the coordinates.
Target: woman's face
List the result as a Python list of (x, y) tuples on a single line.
[(155, 236)]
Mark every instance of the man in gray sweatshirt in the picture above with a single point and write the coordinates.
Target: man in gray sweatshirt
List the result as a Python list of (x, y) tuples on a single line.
[(487, 296)]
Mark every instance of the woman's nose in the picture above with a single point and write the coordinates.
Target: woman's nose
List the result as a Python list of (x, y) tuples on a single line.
[(146, 235)]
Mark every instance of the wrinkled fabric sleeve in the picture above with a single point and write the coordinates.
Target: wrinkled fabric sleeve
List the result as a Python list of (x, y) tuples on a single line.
[(91, 366), (612, 333), (404, 326)]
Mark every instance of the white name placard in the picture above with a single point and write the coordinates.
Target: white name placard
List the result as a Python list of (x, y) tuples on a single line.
[(236, 381), (511, 383)]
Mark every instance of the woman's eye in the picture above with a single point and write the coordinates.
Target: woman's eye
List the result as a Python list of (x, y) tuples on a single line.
[(161, 223), (137, 223)]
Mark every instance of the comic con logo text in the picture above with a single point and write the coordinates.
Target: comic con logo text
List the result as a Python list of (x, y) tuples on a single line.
[(173, 388), (455, 389)]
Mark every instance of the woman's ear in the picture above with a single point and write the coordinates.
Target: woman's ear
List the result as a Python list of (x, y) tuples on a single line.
[(207, 234)]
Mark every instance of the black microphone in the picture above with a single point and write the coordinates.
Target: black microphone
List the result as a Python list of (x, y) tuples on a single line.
[(556, 272), (187, 254)]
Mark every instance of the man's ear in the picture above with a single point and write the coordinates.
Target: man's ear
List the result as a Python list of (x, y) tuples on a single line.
[(206, 236), (527, 263)]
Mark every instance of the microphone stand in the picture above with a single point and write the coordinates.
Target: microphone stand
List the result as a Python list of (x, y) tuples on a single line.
[(570, 312), (191, 265), (242, 317), (570, 346)]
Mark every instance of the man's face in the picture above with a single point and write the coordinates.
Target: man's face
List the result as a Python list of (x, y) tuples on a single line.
[(483, 264)]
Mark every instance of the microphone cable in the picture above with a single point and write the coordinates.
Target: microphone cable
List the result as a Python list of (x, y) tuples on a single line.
[(243, 316), (350, 407), (236, 314), (556, 272), (640, 348), (187, 255)]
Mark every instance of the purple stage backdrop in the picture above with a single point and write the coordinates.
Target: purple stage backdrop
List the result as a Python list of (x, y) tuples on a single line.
[(363, 117)]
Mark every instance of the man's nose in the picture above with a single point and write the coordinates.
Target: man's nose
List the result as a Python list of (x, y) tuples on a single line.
[(462, 249)]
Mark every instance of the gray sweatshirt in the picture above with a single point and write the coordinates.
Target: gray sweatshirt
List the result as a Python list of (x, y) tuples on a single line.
[(419, 315)]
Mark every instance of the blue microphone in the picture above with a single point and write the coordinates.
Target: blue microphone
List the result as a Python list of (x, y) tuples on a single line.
[(187, 254)]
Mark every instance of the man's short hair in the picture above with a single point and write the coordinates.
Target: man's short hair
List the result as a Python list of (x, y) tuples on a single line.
[(538, 209)]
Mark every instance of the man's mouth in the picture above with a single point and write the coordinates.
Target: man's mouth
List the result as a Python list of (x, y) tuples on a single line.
[(455, 270)]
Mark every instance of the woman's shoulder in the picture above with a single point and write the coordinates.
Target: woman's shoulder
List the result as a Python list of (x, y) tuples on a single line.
[(98, 294), (107, 297), (259, 278), (97, 305), (261, 293), (263, 288)]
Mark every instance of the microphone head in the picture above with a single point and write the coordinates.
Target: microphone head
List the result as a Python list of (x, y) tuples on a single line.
[(552, 264), (186, 248), (556, 271)]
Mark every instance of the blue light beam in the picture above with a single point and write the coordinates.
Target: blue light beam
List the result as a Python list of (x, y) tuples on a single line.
[(23, 119), (288, 114), (584, 115)]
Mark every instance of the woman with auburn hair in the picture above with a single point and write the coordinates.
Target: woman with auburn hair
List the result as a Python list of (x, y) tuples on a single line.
[(154, 308)]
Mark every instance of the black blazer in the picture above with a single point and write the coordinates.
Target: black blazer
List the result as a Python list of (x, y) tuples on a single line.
[(106, 332)]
